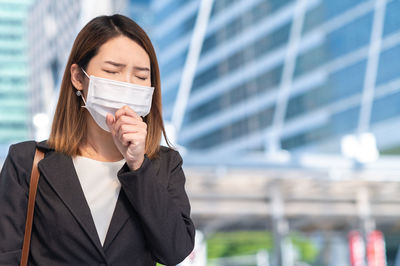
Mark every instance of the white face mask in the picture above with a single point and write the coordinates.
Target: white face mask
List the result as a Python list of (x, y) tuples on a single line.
[(107, 96)]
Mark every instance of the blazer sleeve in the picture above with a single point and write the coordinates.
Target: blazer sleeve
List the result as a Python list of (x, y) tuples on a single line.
[(13, 199), (164, 210)]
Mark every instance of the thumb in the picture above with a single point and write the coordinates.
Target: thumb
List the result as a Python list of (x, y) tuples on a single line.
[(110, 121)]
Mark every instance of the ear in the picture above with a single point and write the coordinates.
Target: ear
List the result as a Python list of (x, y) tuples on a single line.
[(77, 77)]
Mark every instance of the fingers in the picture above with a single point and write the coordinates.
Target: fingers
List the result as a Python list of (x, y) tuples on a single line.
[(126, 110), (127, 124), (132, 138), (127, 120), (110, 121)]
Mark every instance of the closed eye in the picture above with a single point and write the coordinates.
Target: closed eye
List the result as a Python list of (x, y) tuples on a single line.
[(142, 78), (110, 72)]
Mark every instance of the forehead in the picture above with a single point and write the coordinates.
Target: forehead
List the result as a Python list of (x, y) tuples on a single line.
[(124, 50)]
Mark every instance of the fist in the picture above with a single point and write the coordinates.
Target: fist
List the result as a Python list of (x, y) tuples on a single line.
[(129, 134)]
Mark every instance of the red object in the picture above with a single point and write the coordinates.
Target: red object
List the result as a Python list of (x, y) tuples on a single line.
[(376, 249), (357, 249)]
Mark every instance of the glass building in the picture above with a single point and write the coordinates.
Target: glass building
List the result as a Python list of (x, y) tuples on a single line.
[(14, 104), (283, 74)]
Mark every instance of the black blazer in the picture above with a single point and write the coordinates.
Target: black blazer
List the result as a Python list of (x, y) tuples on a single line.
[(151, 220)]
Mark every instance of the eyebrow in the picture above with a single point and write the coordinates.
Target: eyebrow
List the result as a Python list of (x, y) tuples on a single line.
[(115, 64), (142, 68), (123, 65)]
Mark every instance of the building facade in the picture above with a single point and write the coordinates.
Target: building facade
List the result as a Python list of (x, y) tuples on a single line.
[(271, 75), (277, 75), (14, 101)]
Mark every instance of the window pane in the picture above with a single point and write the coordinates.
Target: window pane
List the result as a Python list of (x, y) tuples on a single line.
[(392, 18), (389, 65)]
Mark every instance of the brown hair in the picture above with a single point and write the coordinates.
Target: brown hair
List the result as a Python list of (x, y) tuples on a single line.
[(69, 124)]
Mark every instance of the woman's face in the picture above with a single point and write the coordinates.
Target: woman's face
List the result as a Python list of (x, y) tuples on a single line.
[(121, 59)]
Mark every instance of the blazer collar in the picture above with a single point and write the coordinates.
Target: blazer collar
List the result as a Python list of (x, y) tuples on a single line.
[(44, 146), (58, 169)]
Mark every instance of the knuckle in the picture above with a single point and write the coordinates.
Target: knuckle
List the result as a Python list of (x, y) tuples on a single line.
[(123, 129), (121, 119), (125, 119)]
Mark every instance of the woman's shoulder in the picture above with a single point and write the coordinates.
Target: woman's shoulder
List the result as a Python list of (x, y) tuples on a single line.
[(169, 157), (20, 158), (22, 149), (168, 152), (30, 144)]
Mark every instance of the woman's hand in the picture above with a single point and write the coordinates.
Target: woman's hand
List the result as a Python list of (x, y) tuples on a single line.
[(129, 133)]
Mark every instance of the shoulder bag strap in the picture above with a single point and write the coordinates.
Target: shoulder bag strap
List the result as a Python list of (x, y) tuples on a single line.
[(31, 207)]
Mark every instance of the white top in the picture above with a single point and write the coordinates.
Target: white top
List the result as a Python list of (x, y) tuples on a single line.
[(101, 187)]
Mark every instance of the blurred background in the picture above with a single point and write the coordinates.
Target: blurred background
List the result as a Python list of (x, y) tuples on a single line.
[(286, 112)]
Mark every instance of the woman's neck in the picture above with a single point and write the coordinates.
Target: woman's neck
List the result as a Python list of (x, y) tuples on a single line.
[(99, 144)]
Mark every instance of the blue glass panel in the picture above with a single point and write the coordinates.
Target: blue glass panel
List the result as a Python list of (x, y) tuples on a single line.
[(386, 107), (245, 20), (310, 60), (389, 65), (174, 64), (301, 139), (345, 121), (177, 33), (341, 84), (11, 22), (248, 89), (327, 10), (313, 18), (392, 18), (335, 7), (240, 58), (347, 81), (237, 129), (169, 98), (350, 37), (338, 43), (338, 124), (168, 10)]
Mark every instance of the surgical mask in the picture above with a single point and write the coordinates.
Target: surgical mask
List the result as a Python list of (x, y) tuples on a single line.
[(107, 96)]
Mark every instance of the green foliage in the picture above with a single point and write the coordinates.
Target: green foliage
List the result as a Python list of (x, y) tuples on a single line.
[(238, 243), (227, 244), (391, 151), (307, 250)]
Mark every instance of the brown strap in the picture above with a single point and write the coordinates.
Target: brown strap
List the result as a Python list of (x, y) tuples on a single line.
[(31, 207)]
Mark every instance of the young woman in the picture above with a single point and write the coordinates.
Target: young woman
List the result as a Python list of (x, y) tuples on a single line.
[(108, 193)]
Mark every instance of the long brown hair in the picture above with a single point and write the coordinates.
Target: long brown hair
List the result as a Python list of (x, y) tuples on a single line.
[(69, 124)]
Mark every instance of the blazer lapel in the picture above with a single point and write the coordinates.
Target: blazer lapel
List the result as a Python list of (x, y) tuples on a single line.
[(120, 217), (123, 211), (58, 169)]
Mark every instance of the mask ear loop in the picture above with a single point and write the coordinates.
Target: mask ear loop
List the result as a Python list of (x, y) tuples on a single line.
[(85, 73), (79, 93)]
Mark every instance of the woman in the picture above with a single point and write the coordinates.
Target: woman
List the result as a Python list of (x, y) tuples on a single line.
[(108, 193)]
